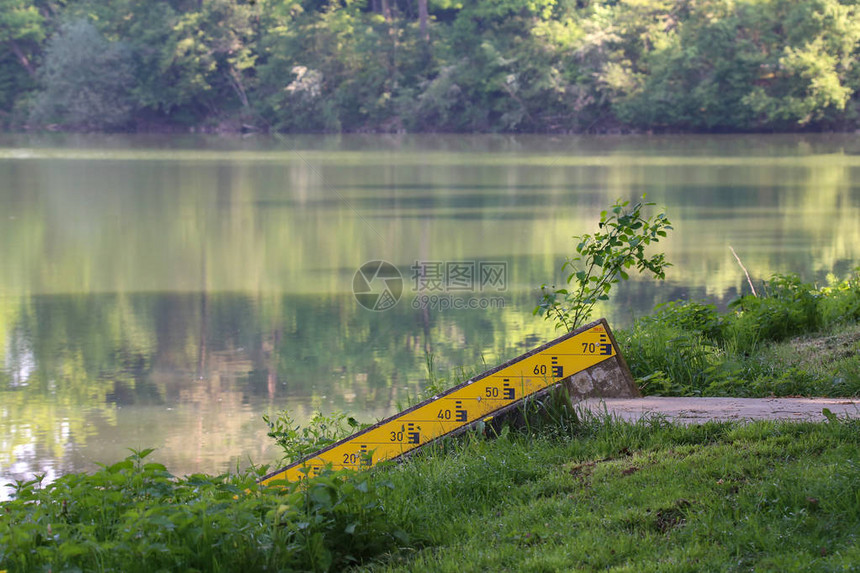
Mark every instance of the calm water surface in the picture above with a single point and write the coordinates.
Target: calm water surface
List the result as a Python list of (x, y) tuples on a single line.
[(167, 291)]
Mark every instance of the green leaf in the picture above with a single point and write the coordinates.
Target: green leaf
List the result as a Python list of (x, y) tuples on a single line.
[(119, 466), (155, 466)]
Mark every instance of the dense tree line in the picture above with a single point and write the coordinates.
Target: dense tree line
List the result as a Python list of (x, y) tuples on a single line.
[(429, 65)]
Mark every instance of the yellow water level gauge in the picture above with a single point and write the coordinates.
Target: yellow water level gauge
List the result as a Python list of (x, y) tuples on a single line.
[(569, 357)]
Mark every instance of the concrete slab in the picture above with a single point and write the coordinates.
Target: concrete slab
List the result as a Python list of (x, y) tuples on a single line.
[(700, 410)]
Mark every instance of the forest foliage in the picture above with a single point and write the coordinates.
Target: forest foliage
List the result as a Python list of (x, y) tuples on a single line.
[(430, 65)]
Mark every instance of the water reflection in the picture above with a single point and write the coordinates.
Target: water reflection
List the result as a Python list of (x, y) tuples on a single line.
[(166, 292), (86, 376)]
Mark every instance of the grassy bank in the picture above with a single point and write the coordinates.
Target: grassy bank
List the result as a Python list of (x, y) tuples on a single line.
[(637, 497), (574, 495), (792, 339), (564, 492)]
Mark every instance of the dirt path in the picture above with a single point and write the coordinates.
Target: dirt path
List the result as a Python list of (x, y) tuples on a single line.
[(699, 410)]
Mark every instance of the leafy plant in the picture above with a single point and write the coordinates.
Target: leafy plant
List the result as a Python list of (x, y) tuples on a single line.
[(135, 516), (840, 300), (789, 307), (688, 348), (602, 260), (690, 316), (322, 430)]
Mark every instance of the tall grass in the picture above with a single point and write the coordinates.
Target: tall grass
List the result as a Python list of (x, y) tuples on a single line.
[(689, 348)]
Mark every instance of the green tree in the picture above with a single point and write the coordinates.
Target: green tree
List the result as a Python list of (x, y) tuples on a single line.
[(495, 65), (499, 66), (87, 81), (193, 61), (21, 32), (214, 54), (166, 85), (338, 69), (715, 65), (805, 77), (21, 28)]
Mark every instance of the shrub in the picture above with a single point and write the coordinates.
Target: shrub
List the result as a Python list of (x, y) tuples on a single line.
[(87, 81), (840, 300), (689, 348), (602, 260), (789, 308), (135, 516), (690, 316)]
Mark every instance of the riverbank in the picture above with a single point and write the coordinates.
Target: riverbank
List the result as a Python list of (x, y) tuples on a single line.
[(563, 491), (573, 494)]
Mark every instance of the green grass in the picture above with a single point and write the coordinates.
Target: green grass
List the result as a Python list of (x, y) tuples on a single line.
[(649, 496), (832, 356), (578, 494)]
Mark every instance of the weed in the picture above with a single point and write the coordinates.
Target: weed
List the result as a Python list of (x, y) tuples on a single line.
[(134, 516), (297, 442)]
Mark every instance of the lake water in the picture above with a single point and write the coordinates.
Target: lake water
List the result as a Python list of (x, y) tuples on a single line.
[(167, 291)]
